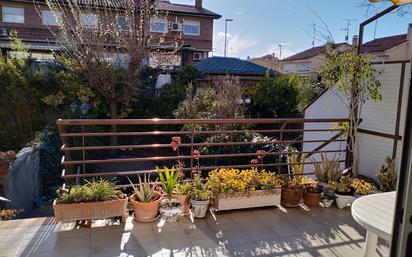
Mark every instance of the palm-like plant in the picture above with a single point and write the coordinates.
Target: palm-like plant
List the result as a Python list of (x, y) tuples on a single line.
[(145, 191), (168, 180)]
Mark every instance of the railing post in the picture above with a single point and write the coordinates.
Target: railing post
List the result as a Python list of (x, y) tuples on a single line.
[(191, 149)]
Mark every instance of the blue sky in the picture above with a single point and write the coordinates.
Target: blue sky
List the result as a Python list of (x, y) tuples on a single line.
[(261, 25)]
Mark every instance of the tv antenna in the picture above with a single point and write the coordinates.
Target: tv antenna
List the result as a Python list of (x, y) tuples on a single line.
[(347, 28), (314, 34)]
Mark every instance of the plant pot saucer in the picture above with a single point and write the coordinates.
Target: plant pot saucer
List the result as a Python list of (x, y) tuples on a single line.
[(146, 221)]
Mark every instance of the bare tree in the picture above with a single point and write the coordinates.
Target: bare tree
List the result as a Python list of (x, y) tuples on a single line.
[(229, 93), (110, 42)]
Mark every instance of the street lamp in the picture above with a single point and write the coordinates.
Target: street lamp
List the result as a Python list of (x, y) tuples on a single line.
[(226, 21)]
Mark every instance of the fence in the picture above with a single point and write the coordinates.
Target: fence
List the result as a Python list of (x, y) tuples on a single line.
[(90, 146)]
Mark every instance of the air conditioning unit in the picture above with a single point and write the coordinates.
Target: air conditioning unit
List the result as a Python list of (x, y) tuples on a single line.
[(197, 56), (177, 27), (3, 32)]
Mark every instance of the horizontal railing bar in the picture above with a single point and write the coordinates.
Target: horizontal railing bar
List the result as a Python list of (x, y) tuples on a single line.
[(188, 157), (89, 122), (141, 172), (90, 148), (162, 133)]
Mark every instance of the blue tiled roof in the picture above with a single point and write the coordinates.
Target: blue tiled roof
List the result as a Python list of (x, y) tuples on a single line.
[(231, 66)]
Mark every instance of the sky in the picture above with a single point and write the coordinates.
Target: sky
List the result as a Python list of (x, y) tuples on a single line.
[(260, 26)]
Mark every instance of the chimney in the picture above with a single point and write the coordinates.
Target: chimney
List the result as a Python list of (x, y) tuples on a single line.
[(199, 4), (355, 41), (410, 32)]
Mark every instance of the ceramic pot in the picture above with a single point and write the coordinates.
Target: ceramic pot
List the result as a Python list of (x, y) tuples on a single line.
[(327, 203), (199, 208), (344, 200), (170, 214), (146, 212), (311, 199), (291, 197), (185, 203)]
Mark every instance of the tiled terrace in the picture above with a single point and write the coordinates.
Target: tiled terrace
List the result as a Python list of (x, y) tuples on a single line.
[(259, 232)]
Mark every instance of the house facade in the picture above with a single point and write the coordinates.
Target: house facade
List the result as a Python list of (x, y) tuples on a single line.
[(269, 61), (33, 20)]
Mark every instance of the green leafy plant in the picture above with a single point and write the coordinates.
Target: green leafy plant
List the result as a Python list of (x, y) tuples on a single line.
[(183, 188), (145, 191), (388, 175), (200, 190), (91, 191), (297, 165), (168, 180), (327, 169)]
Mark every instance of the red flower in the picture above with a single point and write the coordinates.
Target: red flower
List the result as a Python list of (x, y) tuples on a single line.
[(260, 154), (254, 161), (178, 140), (174, 145), (196, 153)]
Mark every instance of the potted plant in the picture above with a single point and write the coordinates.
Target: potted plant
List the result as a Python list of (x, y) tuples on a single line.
[(200, 197), (5, 159), (311, 193), (96, 199), (183, 192), (344, 193), (238, 189), (326, 170), (362, 187), (145, 201), (328, 195), (170, 208), (292, 190), (388, 176)]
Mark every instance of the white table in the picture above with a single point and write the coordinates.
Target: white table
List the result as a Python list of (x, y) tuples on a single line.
[(375, 213)]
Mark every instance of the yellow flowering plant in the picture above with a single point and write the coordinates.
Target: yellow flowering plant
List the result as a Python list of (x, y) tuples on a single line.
[(363, 187), (235, 180)]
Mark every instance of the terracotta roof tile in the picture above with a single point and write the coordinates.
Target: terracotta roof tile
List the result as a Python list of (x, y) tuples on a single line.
[(309, 53), (383, 44)]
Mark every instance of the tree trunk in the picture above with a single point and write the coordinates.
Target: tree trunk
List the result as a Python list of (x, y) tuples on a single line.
[(113, 115)]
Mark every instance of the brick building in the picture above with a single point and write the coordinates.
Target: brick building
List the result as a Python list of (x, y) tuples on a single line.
[(32, 24)]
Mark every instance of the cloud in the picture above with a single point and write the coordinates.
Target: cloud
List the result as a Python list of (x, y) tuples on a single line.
[(239, 12), (238, 46)]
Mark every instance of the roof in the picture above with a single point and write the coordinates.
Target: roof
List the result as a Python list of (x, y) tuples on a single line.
[(231, 66), (160, 4), (312, 52), (268, 57), (383, 44)]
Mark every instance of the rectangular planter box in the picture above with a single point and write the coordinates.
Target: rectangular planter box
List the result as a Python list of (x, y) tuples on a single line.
[(90, 211), (254, 199)]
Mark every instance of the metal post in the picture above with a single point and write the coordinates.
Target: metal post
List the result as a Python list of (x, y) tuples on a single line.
[(226, 21)]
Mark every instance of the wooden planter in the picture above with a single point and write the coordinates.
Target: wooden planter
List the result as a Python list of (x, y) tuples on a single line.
[(254, 199), (89, 211)]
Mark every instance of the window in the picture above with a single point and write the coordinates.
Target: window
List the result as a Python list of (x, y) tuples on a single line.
[(289, 68), (122, 23), (158, 25), (50, 18), (89, 20), (13, 14), (303, 68), (191, 28)]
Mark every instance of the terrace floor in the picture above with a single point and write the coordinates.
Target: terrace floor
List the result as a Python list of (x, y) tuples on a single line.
[(258, 232)]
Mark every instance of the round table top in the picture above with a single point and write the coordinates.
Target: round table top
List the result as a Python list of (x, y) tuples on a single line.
[(375, 213)]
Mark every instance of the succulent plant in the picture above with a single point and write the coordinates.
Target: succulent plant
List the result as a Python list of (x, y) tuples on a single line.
[(145, 191)]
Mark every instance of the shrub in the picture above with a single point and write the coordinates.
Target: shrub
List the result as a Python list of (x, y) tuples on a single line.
[(388, 176)]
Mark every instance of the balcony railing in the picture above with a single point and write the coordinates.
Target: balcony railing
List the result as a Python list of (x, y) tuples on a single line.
[(90, 151)]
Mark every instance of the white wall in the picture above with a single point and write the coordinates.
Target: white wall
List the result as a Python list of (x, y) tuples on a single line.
[(377, 116)]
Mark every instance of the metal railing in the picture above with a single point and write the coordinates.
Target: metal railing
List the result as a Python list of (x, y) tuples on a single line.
[(88, 149)]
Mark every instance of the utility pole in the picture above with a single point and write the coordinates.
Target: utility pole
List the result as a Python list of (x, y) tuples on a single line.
[(226, 21), (280, 52), (347, 28)]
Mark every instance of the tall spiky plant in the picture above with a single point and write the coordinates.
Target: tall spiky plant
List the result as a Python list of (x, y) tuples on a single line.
[(168, 180), (145, 191)]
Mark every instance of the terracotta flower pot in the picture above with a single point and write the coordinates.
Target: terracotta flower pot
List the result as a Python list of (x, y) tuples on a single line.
[(311, 199), (4, 168), (184, 202), (291, 197), (146, 212)]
